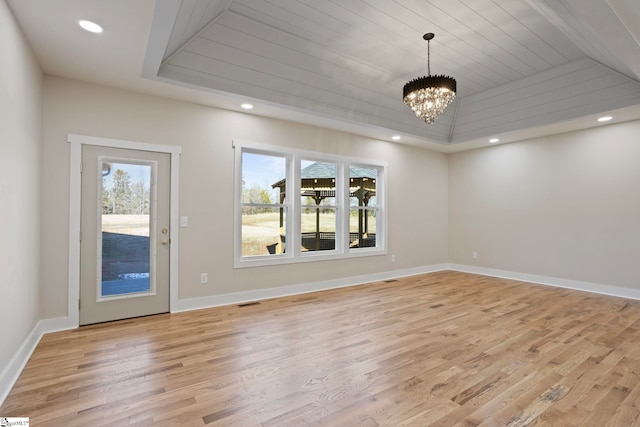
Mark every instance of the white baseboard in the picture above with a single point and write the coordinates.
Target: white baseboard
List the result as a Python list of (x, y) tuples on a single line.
[(56, 324), (12, 371), (595, 288), (303, 288), (14, 368)]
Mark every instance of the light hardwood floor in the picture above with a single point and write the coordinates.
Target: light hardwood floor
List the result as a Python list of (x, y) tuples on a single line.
[(445, 349)]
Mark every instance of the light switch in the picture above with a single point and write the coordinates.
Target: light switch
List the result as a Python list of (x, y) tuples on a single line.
[(184, 221)]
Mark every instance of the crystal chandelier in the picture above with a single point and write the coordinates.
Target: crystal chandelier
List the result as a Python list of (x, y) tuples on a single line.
[(428, 96)]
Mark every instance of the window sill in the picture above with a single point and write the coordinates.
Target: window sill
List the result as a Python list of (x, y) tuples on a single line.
[(302, 257)]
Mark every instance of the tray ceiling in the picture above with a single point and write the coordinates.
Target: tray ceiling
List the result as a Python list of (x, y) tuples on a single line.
[(518, 63), (523, 67)]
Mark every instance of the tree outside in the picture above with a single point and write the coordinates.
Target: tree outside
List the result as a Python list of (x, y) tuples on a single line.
[(121, 196)]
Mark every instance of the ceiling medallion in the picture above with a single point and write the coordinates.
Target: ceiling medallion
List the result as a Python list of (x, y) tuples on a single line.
[(428, 96)]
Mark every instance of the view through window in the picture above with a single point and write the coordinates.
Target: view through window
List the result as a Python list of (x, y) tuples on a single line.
[(125, 223), (336, 212)]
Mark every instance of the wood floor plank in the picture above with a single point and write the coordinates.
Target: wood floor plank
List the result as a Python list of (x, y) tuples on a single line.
[(444, 348)]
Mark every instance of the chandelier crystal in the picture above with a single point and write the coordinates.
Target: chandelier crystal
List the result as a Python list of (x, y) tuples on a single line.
[(428, 96)]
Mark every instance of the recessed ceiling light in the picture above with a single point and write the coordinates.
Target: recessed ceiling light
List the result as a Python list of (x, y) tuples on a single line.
[(395, 137), (246, 106), (90, 26), (494, 140), (605, 119)]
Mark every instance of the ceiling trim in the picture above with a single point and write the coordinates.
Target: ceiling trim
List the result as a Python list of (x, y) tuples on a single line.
[(164, 18), (233, 54)]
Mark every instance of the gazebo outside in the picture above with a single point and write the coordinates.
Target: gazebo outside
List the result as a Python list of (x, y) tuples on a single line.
[(318, 185)]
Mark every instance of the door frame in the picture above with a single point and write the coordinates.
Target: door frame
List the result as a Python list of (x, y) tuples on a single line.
[(75, 187)]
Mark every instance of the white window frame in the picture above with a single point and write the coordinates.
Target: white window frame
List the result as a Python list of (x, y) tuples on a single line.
[(294, 254)]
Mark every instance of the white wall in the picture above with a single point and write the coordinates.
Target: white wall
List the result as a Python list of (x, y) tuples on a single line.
[(20, 132), (566, 206), (417, 185)]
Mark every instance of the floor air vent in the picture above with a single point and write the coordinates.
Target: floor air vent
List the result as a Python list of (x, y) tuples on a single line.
[(247, 304)]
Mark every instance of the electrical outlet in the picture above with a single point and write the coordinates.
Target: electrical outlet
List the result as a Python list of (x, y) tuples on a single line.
[(204, 278), (393, 258), (475, 255)]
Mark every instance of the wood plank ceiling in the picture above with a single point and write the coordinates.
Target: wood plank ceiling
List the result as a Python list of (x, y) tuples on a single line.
[(518, 63)]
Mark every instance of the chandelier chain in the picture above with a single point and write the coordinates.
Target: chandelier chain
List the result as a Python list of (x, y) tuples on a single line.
[(428, 57)]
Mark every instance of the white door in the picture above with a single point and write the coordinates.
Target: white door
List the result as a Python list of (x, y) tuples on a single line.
[(125, 237)]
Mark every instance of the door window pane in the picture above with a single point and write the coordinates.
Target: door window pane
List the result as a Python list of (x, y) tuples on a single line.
[(125, 219)]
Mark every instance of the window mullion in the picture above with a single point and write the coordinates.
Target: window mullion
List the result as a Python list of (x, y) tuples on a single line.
[(294, 203), (342, 199), (295, 210)]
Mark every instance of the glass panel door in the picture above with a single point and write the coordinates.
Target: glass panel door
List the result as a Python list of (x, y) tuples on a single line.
[(125, 241)]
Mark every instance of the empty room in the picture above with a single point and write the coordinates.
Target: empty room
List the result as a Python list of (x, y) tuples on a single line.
[(337, 213)]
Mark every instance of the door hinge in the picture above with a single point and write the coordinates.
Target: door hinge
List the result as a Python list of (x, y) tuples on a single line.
[(81, 167), (78, 304), (80, 235)]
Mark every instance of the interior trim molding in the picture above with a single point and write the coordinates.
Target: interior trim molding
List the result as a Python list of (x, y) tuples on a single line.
[(303, 288), (12, 371), (76, 143), (596, 288), (14, 368)]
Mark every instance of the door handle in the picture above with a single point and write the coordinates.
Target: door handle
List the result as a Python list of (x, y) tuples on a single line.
[(165, 241)]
